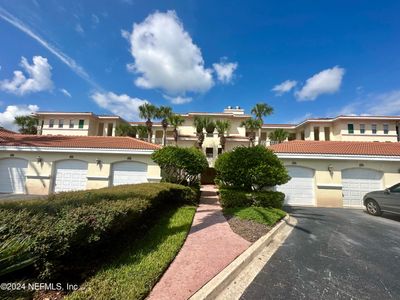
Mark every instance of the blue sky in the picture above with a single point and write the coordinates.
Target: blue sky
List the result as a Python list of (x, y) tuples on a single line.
[(304, 58)]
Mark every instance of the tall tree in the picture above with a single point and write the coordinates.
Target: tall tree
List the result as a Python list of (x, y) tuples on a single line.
[(26, 124), (163, 113), (222, 128), (259, 111), (251, 126), (148, 112), (278, 136), (176, 121)]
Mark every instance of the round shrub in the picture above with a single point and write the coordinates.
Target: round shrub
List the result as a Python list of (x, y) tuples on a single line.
[(180, 165), (250, 168)]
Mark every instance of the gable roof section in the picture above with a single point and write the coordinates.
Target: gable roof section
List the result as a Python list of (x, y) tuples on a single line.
[(338, 148), (60, 141)]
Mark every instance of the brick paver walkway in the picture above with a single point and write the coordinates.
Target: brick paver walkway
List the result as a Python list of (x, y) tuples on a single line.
[(210, 246)]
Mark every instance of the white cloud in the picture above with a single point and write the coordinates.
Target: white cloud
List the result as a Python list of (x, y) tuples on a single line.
[(65, 92), (126, 34), (284, 87), (225, 70), (79, 29), (121, 105), (178, 99), (68, 61), (166, 57), (7, 117), (384, 104), (325, 82), (39, 77)]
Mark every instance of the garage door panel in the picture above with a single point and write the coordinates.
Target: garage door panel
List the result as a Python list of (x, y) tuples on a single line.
[(357, 182), (13, 175), (129, 172), (300, 189), (70, 175)]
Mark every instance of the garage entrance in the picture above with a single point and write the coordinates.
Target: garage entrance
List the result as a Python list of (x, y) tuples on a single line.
[(300, 189), (357, 182), (70, 175), (129, 172), (13, 175)]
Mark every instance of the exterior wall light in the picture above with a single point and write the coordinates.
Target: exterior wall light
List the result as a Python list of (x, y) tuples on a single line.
[(98, 161), (330, 169), (39, 159)]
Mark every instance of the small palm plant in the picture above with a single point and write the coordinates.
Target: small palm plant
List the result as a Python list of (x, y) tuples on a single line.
[(148, 112), (261, 110), (163, 113), (15, 254), (251, 126), (278, 136), (176, 121), (222, 128), (142, 132)]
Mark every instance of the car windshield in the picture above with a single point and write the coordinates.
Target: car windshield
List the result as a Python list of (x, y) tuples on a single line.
[(395, 188)]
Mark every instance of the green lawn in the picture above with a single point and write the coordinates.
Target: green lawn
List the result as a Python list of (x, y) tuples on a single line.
[(263, 215), (136, 270)]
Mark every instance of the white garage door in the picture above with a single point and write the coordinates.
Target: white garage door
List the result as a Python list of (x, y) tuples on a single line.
[(70, 175), (357, 182), (129, 172), (12, 175), (300, 189)]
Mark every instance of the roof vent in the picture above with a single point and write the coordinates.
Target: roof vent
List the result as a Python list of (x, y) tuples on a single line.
[(229, 107), (237, 107)]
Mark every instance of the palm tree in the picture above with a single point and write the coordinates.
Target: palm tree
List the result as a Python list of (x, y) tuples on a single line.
[(142, 132), (164, 112), (176, 121), (278, 136), (125, 130), (251, 125), (222, 127), (26, 124), (209, 125), (148, 112), (261, 110), (199, 124)]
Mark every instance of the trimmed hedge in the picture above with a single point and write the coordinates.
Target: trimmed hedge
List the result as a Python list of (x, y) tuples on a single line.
[(237, 198), (69, 228)]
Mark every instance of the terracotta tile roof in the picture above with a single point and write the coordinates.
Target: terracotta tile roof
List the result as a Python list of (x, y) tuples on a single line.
[(60, 141), (337, 147), (4, 131)]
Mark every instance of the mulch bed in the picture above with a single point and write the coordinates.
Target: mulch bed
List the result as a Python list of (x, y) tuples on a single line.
[(247, 229)]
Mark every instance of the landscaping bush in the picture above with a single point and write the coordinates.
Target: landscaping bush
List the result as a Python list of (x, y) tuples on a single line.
[(250, 168), (69, 228), (180, 165), (236, 198)]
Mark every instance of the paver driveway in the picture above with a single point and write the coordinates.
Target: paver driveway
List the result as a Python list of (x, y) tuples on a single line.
[(333, 253)]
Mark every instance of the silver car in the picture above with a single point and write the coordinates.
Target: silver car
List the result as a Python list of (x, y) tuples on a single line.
[(383, 201)]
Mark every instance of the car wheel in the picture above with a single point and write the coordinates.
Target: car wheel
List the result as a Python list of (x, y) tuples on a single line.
[(373, 207)]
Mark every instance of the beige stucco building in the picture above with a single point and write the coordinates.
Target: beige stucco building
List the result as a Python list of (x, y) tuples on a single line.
[(47, 164)]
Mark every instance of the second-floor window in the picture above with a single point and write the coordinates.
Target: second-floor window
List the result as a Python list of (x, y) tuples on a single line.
[(210, 152), (60, 123), (71, 124), (51, 123), (350, 128), (385, 129), (362, 128), (81, 123), (373, 128)]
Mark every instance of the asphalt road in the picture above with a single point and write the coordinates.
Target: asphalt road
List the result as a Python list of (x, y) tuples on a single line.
[(333, 254)]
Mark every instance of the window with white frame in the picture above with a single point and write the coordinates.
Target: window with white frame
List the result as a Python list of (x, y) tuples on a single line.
[(362, 128), (60, 123), (71, 124), (51, 123), (373, 128), (385, 128)]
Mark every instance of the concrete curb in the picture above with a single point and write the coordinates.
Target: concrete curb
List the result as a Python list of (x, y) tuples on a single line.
[(216, 285)]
